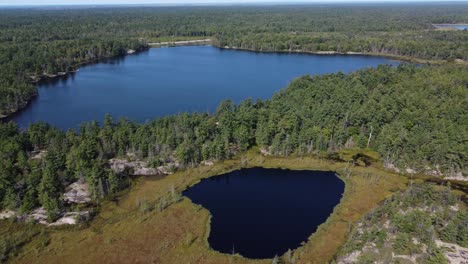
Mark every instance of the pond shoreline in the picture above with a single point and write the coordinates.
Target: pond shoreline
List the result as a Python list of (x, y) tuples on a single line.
[(363, 191), (308, 199), (135, 233)]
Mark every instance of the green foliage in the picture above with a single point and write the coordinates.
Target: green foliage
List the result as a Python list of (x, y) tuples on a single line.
[(416, 115), (413, 223), (436, 257), (37, 43), (402, 242), (338, 112)]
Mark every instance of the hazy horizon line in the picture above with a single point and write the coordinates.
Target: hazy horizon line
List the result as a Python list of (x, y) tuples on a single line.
[(234, 3)]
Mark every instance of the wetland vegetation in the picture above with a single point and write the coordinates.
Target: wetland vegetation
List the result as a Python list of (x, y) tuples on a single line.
[(383, 130)]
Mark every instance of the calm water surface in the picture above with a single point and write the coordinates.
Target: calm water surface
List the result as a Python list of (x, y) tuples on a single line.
[(260, 213), (454, 26), (165, 81)]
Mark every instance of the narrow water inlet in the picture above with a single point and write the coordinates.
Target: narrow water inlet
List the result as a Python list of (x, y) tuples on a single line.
[(260, 213)]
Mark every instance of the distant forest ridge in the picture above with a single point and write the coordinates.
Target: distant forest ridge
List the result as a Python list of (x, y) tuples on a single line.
[(38, 42)]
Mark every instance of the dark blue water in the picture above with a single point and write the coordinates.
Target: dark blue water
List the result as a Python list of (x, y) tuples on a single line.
[(172, 80), (260, 213)]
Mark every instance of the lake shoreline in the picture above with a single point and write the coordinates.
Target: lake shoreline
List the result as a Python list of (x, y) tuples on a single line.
[(39, 79), (349, 53), (194, 42), (207, 42)]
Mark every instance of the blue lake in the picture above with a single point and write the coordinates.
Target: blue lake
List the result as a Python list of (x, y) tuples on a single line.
[(453, 26), (164, 81), (260, 213)]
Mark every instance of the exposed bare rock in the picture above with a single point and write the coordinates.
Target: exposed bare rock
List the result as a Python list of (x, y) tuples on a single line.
[(69, 218), (181, 43), (454, 253), (78, 193), (412, 259), (207, 163), (456, 176), (39, 215), (328, 52), (39, 154), (350, 258), (265, 151), (454, 208), (6, 214), (168, 169), (139, 168), (120, 165), (145, 171), (433, 171), (391, 166)]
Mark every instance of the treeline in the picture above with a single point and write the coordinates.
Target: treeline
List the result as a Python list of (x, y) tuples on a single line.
[(423, 45), (412, 116), (22, 63), (42, 41)]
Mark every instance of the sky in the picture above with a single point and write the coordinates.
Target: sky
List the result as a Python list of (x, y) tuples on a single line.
[(169, 2)]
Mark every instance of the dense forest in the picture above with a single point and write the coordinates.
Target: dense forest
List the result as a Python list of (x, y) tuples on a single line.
[(413, 116), (40, 42)]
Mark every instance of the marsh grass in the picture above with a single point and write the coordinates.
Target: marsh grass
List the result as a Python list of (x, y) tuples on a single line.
[(138, 227)]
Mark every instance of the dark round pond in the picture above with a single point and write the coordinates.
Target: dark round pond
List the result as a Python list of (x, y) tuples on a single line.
[(260, 213)]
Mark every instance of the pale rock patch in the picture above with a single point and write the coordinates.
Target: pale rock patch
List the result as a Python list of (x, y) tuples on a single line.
[(78, 193), (454, 253), (350, 258), (140, 168), (39, 215), (207, 163), (39, 154), (456, 176), (265, 151), (6, 214)]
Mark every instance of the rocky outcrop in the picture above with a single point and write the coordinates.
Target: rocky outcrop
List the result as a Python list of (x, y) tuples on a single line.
[(6, 214), (207, 163), (454, 253), (139, 168), (39, 215), (456, 177), (67, 218), (265, 151), (435, 172), (136, 168), (78, 192), (38, 154)]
